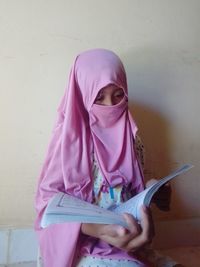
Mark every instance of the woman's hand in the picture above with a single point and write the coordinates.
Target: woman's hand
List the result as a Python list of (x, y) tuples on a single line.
[(162, 197), (130, 240)]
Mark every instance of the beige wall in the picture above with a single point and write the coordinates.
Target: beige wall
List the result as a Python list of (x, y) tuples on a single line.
[(158, 41)]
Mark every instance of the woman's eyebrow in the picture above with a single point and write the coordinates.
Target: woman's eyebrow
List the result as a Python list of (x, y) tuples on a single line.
[(119, 90)]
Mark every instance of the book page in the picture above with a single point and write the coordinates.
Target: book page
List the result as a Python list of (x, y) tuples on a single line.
[(66, 208), (155, 187), (133, 205)]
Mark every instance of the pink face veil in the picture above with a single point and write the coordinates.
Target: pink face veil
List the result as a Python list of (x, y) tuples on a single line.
[(84, 129)]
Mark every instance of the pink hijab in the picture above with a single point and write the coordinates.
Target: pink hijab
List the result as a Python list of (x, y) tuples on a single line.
[(81, 129)]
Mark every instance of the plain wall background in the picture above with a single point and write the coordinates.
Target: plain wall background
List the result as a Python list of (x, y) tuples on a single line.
[(159, 43)]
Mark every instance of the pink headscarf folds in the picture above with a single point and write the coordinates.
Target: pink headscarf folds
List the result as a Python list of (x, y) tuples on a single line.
[(84, 128)]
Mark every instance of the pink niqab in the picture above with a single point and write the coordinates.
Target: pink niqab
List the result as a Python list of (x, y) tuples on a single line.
[(81, 129)]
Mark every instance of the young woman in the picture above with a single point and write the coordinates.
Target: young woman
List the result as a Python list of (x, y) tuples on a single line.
[(92, 155)]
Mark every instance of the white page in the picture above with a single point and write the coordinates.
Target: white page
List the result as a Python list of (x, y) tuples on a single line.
[(155, 187), (66, 208), (133, 205)]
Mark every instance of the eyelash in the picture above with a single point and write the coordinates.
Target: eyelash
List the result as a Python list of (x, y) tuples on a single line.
[(119, 94), (99, 98)]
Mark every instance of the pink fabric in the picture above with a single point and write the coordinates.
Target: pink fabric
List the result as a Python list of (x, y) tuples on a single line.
[(113, 143), (81, 128)]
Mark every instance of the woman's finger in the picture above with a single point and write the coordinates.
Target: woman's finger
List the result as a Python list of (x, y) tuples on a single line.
[(113, 230), (133, 225), (145, 236)]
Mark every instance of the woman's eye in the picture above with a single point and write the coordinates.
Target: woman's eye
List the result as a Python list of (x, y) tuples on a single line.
[(99, 98), (121, 94)]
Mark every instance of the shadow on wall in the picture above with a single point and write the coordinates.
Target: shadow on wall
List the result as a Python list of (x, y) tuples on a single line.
[(154, 131), (152, 83), (155, 135)]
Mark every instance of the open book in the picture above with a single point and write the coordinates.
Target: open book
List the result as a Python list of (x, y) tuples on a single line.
[(66, 208)]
